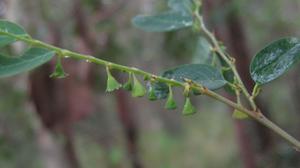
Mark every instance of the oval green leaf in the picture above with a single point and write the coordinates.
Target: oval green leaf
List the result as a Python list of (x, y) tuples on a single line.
[(31, 59), (12, 28), (274, 60), (167, 21), (203, 74)]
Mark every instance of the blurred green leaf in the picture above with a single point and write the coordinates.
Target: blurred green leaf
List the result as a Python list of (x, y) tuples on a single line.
[(184, 6), (31, 59), (275, 59), (202, 54), (167, 21), (9, 27)]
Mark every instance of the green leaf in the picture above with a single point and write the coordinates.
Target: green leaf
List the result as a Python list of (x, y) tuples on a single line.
[(9, 27), (170, 104), (188, 108), (161, 90), (184, 6), (167, 21), (59, 70), (31, 59), (112, 84), (274, 60), (205, 75), (239, 115), (202, 53), (138, 89)]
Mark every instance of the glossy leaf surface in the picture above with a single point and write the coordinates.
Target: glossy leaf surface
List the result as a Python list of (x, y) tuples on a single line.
[(274, 60), (167, 21)]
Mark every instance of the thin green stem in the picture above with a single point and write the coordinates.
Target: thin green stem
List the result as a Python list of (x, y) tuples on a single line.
[(230, 61), (66, 53)]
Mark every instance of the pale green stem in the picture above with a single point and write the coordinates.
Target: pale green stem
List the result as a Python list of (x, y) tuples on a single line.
[(227, 59)]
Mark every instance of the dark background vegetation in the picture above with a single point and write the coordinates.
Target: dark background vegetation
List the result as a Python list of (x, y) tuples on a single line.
[(73, 123)]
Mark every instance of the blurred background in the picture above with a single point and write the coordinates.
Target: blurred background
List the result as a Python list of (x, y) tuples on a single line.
[(74, 123)]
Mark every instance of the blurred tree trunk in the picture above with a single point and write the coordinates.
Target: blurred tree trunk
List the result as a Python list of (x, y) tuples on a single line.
[(246, 149), (124, 112), (234, 37), (295, 84), (130, 128), (238, 46)]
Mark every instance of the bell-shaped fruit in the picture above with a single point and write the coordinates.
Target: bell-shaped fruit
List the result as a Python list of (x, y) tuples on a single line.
[(239, 115), (129, 84), (112, 83), (59, 70), (170, 104), (138, 90), (188, 108), (151, 93)]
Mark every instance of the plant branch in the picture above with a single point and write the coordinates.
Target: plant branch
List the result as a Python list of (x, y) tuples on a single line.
[(229, 60), (256, 115)]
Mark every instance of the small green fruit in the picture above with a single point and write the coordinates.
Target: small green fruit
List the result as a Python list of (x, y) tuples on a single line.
[(112, 83), (128, 85), (188, 108), (239, 115), (151, 93), (170, 104), (186, 91), (138, 89), (59, 70)]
